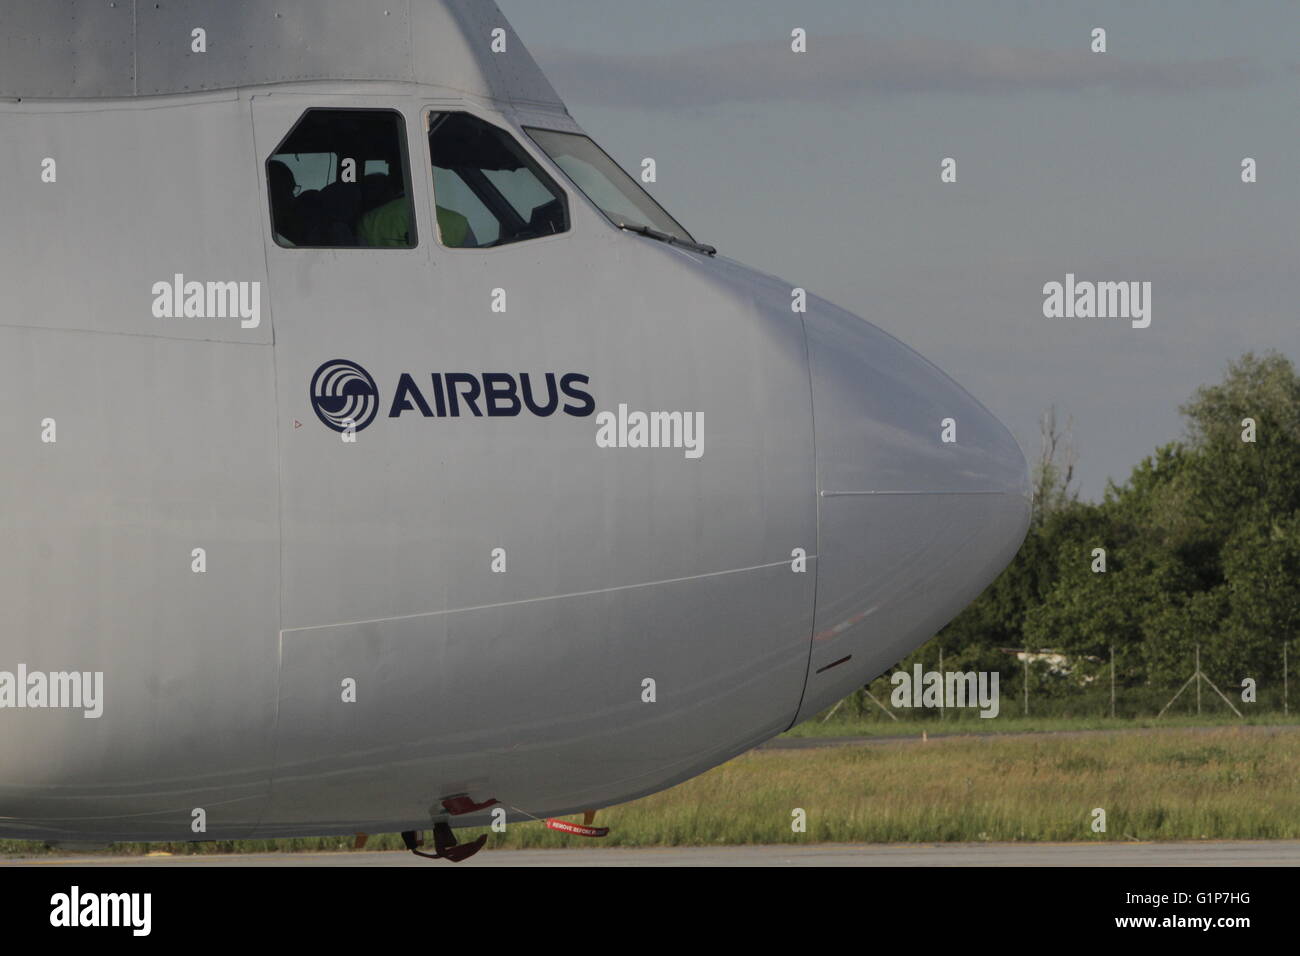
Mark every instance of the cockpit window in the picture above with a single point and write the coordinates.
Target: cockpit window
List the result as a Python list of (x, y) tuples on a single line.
[(487, 190), (618, 195), (340, 179)]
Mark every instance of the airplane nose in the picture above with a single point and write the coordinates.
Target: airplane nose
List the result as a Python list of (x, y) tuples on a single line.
[(923, 499)]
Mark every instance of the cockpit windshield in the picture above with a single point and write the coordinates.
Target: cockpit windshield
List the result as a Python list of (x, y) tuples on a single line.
[(602, 180)]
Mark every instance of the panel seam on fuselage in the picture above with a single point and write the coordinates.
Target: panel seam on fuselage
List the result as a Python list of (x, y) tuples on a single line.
[(544, 597), (131, 335), (279, 458), (817, 512)]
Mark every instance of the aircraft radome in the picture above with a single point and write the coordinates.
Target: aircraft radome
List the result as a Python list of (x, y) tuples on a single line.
[(378, 455)]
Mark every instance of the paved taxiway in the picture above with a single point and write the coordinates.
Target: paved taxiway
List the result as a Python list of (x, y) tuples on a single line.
[(1210, 853)]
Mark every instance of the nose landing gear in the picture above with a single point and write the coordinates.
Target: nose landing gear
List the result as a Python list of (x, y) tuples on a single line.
[(445, 846)]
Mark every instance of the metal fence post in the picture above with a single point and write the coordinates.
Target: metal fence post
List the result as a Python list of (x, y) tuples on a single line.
[(1026, 682)]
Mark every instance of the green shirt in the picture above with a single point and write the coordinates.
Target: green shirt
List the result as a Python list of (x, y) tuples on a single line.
[(390, 225)]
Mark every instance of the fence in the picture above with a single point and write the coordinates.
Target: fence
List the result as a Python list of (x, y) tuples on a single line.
[(1047, 683)]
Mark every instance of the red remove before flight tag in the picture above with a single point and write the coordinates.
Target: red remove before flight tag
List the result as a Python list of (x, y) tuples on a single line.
[(577, 829)]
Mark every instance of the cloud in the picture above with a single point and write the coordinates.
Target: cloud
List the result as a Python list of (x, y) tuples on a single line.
[(842, 66)]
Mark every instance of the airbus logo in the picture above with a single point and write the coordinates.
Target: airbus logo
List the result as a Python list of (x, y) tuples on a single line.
[(344, 395), (495, 394), (346, 398)]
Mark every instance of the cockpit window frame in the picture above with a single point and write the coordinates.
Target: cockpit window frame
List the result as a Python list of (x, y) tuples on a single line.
[(528, 131), (551, 175), (409, 179)]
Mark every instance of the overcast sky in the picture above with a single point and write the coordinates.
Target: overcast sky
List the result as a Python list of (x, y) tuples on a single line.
[(823, 168)]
